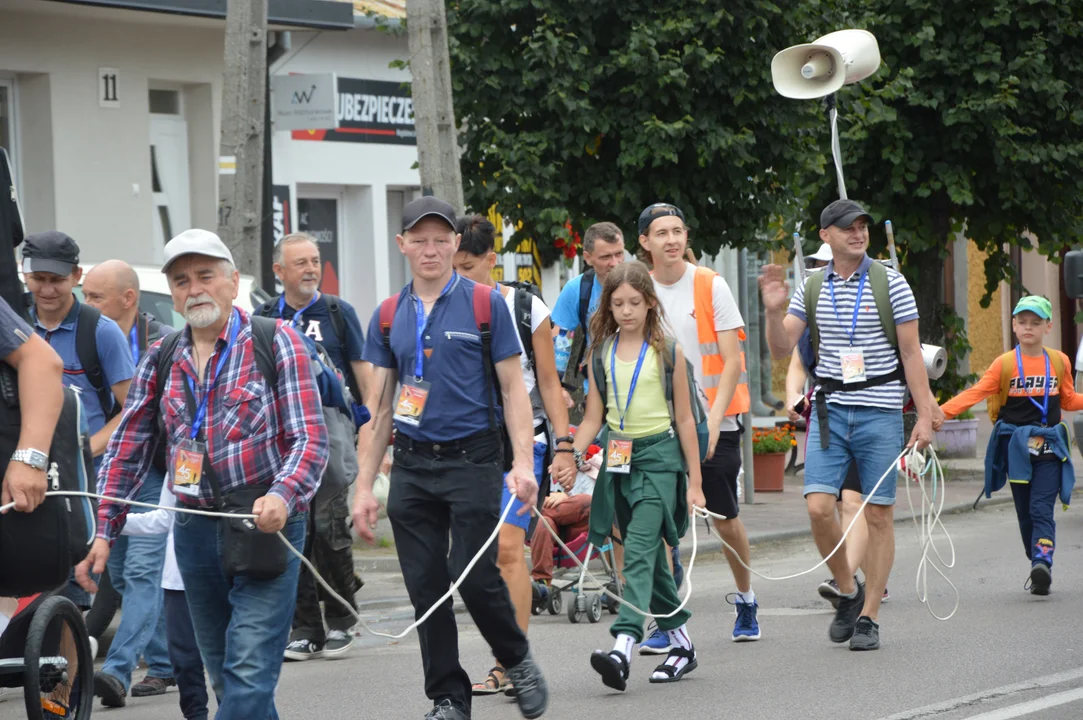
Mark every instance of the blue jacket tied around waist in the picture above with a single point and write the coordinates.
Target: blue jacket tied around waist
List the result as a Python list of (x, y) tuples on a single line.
[(1017, 464)]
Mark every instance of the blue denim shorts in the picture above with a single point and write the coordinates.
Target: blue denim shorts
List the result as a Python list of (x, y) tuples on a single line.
[(523, 521), (869, 437)]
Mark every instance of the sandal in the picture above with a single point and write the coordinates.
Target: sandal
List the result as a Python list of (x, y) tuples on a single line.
[(613, 667), (493, 685), (671, 672)]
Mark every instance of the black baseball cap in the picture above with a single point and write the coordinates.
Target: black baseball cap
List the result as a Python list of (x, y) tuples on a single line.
[(51, 251), (426, 206), (842, 213), (655, 211)]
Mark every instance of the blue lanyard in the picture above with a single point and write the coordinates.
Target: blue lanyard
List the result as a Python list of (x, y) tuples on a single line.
[(419, 312), (635, 377), (201, 409), (134, 337), (282, 306), (857, 304), (1044, 407)]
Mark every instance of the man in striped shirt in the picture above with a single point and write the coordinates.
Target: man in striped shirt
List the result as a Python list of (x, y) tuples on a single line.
[(858, 369)]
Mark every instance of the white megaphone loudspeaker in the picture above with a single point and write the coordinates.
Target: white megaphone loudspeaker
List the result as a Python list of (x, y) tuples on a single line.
[(820, 68)]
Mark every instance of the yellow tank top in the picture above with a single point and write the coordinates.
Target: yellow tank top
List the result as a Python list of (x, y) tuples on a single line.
[(648, 414)]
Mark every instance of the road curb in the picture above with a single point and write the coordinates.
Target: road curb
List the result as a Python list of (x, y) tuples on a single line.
[(711, 543)]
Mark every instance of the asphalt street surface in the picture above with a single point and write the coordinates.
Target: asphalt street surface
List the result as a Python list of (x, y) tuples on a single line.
[(1005, 654)]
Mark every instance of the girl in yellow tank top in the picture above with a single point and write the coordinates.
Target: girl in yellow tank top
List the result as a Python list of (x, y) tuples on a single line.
[(643, 484)]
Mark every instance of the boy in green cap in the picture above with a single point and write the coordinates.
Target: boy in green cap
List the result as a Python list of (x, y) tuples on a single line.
[(1026, 390)]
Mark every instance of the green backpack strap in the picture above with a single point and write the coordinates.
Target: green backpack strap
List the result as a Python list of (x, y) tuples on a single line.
[(881, 294), (813, 284)]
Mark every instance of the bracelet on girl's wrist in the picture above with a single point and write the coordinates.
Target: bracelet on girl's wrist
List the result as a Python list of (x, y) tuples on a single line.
[(580, 463), (564, 450), (565, 439)]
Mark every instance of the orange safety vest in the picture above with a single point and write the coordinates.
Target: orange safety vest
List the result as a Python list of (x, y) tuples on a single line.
[(708, 346)]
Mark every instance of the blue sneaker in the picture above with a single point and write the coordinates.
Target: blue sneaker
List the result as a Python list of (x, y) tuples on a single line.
[(746, 628), (657, 643), (678, 569)]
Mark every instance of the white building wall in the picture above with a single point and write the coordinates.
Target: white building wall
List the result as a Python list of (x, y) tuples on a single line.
[(85, 168)]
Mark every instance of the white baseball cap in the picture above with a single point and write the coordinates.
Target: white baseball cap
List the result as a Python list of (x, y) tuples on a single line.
[(823, 254), (195, 242)]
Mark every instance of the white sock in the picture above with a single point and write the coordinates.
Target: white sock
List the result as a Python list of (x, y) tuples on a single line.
[(678, 638), (624, 645), (747, 597)]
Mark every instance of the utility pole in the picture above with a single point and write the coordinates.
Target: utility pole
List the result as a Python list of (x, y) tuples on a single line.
[(434, 113), (240, 162)]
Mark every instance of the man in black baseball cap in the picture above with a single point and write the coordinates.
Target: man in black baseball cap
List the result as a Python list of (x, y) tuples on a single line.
[(50, 252), (427, 206), (842, 214), (655, 211)]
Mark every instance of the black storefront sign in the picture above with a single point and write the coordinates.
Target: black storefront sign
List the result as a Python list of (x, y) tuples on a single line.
[(370, 111)]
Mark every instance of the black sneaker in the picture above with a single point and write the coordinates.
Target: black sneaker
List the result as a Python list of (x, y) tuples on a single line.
[(444, 710), (866, 634), (110, 689), (829, 591), (299, 650), (842, 627), (531, 690), (1040, 579), (338, 643)]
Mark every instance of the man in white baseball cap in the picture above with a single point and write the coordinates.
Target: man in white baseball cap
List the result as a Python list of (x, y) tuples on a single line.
[(196, 242), (231, 445)]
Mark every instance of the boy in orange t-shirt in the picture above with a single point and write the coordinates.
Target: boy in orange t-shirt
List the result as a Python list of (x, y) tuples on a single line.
[(1040, 388)]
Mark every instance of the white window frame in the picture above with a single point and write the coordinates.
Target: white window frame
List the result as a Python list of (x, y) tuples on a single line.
[(7, 80)]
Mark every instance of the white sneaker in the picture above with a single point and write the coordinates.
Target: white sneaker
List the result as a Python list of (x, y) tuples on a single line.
[(338, 643), (301, 650)]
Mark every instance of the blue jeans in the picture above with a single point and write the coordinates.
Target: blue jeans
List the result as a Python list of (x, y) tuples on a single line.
[(241, 625), (135, 567), (869, 437)]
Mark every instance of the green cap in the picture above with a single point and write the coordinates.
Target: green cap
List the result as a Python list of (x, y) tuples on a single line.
[(1036, 304)]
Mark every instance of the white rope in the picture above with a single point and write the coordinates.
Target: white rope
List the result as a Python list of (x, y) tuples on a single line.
[(930, 519), (309, 565)]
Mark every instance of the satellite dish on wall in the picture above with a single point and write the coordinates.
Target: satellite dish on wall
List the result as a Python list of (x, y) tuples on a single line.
[(820, 68)]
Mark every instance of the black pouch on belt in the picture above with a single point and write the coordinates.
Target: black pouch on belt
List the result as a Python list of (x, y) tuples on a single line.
[(247, 551)]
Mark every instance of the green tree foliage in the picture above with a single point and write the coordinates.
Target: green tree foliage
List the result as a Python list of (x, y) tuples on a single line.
[(589, 111), (974, 118)]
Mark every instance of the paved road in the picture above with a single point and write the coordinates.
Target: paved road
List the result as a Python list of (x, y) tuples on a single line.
[(1006, 654)]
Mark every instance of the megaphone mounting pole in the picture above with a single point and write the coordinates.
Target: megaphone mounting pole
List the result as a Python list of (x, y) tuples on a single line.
[(836, 148)]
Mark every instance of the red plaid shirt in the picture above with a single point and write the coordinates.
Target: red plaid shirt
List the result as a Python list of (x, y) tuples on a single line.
[(285, 447)]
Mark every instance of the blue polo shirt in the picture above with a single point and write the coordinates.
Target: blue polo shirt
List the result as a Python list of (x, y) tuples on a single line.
[(114, 353), (456, 407), (566, 311)]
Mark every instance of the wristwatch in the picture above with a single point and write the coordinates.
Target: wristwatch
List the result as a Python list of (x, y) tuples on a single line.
[(29, 456)]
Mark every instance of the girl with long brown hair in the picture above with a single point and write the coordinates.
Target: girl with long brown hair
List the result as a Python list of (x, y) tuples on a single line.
[(651, 476)]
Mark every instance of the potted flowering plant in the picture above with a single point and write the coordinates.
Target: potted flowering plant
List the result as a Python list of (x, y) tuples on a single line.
[(769, 448)]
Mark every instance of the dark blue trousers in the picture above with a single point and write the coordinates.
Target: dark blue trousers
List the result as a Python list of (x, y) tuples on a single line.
[(184, 655), (1034, 505)]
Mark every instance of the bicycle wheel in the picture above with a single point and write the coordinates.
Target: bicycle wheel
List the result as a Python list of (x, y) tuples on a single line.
[(58, 679)]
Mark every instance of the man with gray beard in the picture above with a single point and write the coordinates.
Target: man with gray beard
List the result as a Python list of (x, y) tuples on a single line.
[(237, 402)]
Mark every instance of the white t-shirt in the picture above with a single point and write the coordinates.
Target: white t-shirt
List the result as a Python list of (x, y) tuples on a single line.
[(679, 303), (538, 314)]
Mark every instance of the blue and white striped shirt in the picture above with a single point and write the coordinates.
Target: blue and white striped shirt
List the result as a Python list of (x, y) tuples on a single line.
[(869, 336)]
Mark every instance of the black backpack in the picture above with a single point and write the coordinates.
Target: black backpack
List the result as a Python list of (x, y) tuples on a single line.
[(524, 312), (39, 549), (86, 348), (586, 287), (269, 309)]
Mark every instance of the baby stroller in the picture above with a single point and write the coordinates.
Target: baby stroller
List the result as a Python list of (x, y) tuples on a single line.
[(45, 649), (587, 595)]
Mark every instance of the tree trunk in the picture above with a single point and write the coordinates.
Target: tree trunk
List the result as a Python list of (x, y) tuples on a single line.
[(926, 277)]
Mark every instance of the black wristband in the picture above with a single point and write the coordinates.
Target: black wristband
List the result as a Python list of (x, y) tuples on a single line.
[(565, 439), (564, 450)]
